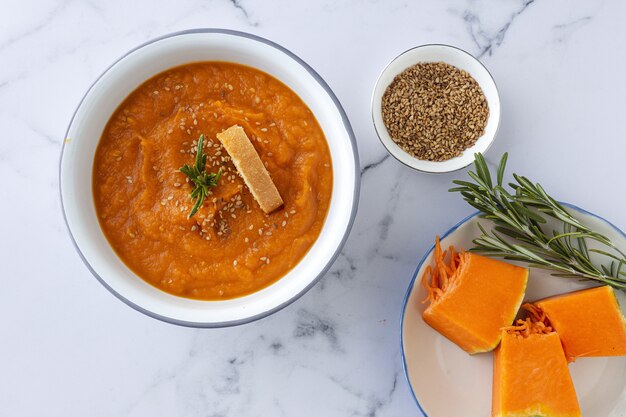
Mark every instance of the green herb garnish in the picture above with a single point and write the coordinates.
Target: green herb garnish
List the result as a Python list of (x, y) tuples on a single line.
[(520, 229), (200, 178)]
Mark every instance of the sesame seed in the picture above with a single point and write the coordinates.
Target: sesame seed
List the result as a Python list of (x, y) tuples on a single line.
[(177, 184), (119, 158), (194, 228), (170, 198), (163, 202), (284, 223), (235, 262), (263, 129)]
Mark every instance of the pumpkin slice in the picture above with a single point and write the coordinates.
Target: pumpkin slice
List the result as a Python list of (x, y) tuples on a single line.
[(589, 322), (530, 374), (472, 297)]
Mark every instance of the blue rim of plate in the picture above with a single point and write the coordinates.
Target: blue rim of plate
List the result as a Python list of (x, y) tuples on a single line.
[(357, 180), (419, 266)]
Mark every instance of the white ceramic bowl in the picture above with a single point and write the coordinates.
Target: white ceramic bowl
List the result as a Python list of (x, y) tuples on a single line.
[(449, 55), (117, 82)]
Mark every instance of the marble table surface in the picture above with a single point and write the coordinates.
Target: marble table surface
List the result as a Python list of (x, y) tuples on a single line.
[(69, 348)]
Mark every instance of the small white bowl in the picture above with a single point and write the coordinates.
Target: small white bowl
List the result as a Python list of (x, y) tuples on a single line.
[(460, 59), (117, 82)]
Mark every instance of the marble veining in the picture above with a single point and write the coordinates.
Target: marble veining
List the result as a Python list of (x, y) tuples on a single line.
[(71, 349), (485, 40)]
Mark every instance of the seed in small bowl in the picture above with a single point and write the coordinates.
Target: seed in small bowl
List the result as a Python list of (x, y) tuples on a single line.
[(435, 106), (434, 111)]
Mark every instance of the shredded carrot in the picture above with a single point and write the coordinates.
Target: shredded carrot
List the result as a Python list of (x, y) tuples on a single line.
[(426, 285), (438, 278), (536, 313), (535, 323), (452, 258)]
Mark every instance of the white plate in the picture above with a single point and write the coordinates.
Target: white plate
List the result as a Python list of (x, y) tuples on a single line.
[(447, 382)]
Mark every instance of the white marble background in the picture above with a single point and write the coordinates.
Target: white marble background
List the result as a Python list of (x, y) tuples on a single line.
[(69, 348)]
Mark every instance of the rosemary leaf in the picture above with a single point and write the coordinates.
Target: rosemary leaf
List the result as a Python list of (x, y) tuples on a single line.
[(200, 179), (518, 233)]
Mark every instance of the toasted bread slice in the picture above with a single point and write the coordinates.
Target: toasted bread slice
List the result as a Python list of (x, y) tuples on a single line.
[(251, 168)]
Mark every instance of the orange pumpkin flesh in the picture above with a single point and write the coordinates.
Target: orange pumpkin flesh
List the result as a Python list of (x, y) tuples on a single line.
[(531, 378), (589, 322), (472, 297)]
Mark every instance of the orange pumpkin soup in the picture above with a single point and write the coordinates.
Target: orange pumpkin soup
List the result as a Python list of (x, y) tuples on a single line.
[(230, 247)]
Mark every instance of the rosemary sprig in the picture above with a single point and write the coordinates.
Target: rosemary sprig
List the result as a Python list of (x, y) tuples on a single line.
[(520, 234), (202, 181)]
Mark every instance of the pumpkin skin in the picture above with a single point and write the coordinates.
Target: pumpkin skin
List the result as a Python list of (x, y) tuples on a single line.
[(483, 296), (589, 322), (531, 378)]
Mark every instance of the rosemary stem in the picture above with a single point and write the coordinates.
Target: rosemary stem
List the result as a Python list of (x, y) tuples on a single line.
[(519, 235)]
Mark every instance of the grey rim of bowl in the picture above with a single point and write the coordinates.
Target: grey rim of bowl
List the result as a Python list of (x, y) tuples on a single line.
[(357, 180), (409, 290), (374, 98)]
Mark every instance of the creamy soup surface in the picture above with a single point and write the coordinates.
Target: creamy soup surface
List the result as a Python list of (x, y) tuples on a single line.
[(230, 247)]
